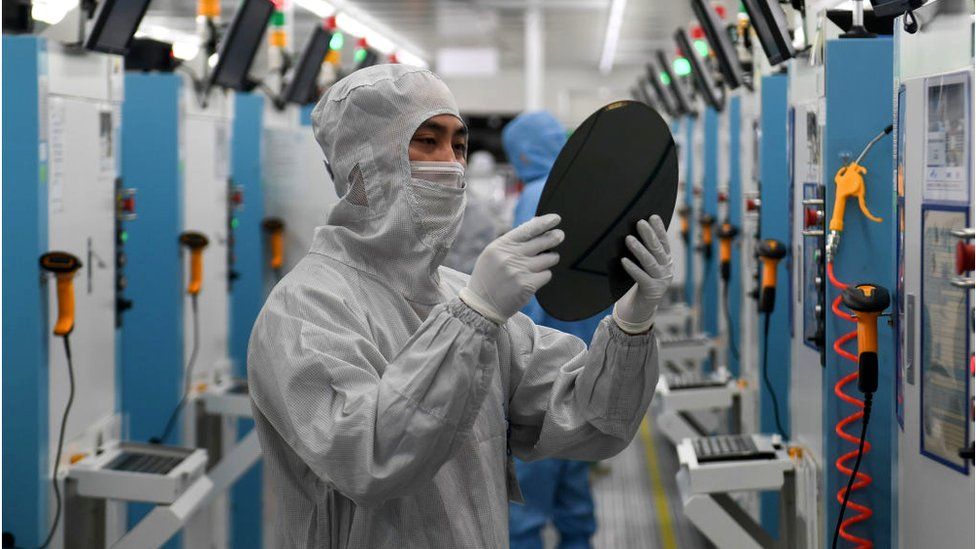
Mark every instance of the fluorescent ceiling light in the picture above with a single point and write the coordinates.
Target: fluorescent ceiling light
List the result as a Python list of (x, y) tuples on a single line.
[(612, 37), (185, 45), (320, 8), (407, 58), (52, 11)]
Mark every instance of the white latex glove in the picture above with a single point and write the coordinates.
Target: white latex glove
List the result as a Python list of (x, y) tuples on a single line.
[(512, 268), (634, 312)]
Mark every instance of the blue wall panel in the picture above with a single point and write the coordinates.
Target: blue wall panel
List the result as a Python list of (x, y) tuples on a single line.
[(26, 471), (709, 296), (735, 218), (859, 106), (247, 296), (688, 177), (152, 333), (774, 222)]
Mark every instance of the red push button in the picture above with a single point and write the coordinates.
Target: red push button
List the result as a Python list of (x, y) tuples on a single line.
[(723, 197), (965, 258), (812, 217), (752, 204)]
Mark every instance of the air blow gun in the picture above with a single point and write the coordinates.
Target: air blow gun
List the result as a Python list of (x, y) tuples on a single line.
[(196, 242), (64, 266), (850, 183)]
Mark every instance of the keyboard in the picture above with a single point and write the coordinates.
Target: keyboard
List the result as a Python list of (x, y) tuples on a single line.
[(729, 448), (693, 380), (144, 463)]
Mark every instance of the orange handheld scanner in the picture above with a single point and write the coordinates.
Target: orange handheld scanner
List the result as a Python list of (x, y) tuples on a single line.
[(726, 234), (706, 222), (196, 242), (683, 213), (64, 266), (867, 301), (770, 252), (275, 228), (849, 182)]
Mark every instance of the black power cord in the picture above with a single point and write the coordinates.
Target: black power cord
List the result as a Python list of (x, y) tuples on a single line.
[(868, 398), (171, 422), (57, 455), (769, 384)]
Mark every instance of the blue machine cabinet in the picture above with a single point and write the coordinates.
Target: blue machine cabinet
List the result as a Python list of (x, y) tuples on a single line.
[(152, 339), (859, 100), (247, 296), (774, 223), (709, 297), (25, 333), (689, 181), (735, 218)]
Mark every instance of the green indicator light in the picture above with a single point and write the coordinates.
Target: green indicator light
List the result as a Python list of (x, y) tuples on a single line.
[(701, 47), (665, 79), (360, 55), (234, 223), (337, 41), (125, 236), (682, 67), (278, 19)]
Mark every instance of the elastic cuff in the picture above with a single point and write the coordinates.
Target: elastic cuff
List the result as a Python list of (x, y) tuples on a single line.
[(472, 300), (632, 328)]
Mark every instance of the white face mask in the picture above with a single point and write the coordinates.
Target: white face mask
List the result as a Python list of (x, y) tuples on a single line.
[(448, 174)]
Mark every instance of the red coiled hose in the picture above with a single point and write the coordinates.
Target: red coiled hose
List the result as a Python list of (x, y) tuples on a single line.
[(863, 512)]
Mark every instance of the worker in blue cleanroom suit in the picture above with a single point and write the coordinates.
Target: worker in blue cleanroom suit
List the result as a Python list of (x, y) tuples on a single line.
[(554, 489)]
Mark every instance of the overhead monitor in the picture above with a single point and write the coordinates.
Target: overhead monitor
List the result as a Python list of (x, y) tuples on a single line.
[(240, 44), (301, 90), (664, 97), (768, 19), (620, 166), (115, 24), (678, 91), (700, 72), (883, 8), (718, 38)]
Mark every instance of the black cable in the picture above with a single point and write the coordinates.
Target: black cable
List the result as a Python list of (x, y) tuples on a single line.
[(769, 384), (171, 422), (57, 455), (728, 321), (868, 398)]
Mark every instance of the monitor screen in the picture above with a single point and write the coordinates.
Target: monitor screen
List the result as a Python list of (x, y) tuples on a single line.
[(241, 43), (728, 60), (301, 89), (700, 71), (768, 19), (115, 23), (663, 96), (677, 87)]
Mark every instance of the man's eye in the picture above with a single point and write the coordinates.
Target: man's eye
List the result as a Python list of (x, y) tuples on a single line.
[(426, 140)]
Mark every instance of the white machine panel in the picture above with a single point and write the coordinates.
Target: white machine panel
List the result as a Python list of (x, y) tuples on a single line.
[(297, 186), (83, 152), (936, 486), (206, 150)]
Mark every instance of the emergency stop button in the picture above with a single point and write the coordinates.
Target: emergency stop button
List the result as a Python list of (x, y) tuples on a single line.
[(965, 258)]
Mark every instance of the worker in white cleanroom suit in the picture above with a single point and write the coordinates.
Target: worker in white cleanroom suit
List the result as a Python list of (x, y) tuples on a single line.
[(390, 393)]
